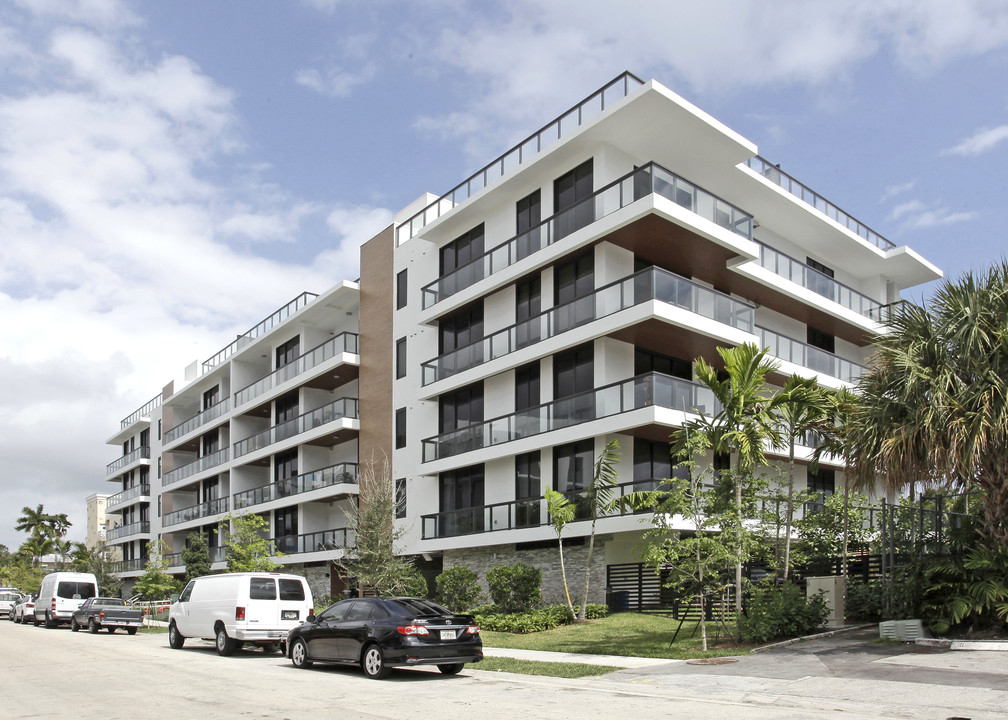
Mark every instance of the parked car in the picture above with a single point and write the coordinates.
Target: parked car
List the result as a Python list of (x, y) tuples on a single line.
[(382, 633), (237, 608), (24, 609), (8, 600), (109, 613), (61, 595)]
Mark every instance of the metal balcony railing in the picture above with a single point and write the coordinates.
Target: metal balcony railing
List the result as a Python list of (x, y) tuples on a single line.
[(137, 528), (342, 408), (141, 453), (344, 473), (323, 541), (141, 490), (202, 510), (204, 463), (809, 356), (260, 329), (142, 412), (197, 421)]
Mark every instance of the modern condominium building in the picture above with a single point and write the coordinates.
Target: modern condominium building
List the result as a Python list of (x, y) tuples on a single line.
[(501, 334)]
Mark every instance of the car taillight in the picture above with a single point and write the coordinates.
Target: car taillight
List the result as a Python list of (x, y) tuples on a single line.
[(412, 630), (101, 615), (473, 629), (239, 613)]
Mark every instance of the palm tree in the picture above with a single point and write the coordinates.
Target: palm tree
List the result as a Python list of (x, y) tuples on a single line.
[(34, 522), (934, 404), (561, 512), (601, 499), (800, 407), (742, 426), (835, 439)]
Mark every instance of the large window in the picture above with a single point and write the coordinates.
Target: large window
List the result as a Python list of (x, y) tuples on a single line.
[(821, 281), (285, 529), (460, 329), (400, 497), (400, 428), (460, 408), (461, 501), (573, 465), (528, 489), (574, 374), (825, 361), (211, 397), (573, 285), (288, 352), (528, 304), (527, 387), (823, 483), (402, 292), (285, 469), (528, 216), (653, 463), (462, 250), (569, 190), (400, 358)]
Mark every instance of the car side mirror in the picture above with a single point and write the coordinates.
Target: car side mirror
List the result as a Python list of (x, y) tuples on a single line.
[(311, 616)]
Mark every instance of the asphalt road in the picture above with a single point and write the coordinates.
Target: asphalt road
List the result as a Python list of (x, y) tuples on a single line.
[(59, 674)]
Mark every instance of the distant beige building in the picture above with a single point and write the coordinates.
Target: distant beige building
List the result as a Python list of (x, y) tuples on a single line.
[(98, 523)]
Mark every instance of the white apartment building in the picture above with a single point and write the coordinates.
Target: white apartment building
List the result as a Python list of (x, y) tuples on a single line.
[(509, 329)]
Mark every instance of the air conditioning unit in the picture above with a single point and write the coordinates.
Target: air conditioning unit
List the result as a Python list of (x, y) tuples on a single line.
[(903, 630)]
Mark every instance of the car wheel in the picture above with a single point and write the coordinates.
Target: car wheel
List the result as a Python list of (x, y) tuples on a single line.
[(453, 669), (92, 626), (35, 621), (373, 663), (74, 627), (299, 654), (225, 645), (49, 622), (175, 638), (131, 631)]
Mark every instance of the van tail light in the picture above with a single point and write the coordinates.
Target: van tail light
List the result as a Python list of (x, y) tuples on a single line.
[(473, 629), (239, 613), (412, 630), (53, 605)]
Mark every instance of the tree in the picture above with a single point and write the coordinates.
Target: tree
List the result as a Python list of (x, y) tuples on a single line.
[(371, 551), (933, 405), (36, 547), (742, 426), (248, 548), (196, 556), (96, 560), (561, 512), (601, 498), (156, 583)]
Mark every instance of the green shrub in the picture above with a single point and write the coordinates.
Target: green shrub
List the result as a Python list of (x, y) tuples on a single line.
[(490, 618), (412, 583), (780, 610), (865, 601), (514, 588), (458, 588)]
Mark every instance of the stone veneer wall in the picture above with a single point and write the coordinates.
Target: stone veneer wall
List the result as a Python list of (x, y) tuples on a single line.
[(481, 559)]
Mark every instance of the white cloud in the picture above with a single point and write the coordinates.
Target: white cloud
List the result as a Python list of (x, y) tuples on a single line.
[(353, 226), (333, 81), (100, 13), (916, 215), (893, 190), (979, 142)]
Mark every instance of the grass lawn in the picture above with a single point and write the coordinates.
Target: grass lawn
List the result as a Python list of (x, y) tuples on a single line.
[(530, 667), (632, 634)]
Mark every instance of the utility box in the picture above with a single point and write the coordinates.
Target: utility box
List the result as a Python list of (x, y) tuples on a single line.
[(904, 630), (835, 593)]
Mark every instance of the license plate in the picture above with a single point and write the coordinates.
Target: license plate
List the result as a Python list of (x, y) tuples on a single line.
[(447, 634), (290, 615)]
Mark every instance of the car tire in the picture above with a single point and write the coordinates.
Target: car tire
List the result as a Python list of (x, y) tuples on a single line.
[(299, 654), (373, 663), (225, 645), (35, 620), (175, 639), (453, 669), (49, 622), (92, 626), (74, 627), (131, 631)]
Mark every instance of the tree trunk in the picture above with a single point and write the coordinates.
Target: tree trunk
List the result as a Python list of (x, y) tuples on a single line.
[(563, 574), (738, 539), (582, 615), (846, 528), (703, 614), (790, 511)]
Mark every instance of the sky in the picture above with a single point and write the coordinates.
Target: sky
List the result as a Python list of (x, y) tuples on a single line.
[(172, 172)]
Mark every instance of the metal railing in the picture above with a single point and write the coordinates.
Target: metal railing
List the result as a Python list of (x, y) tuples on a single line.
[(141, 490), (134, 565), (323, 541), (204, 463), (343, 343), (194, 512), (809, 356), (344, 473), (643, 286), (801, 274), (217, 554), (196, 421), (260, 329), (649, 389), (777, 176), (144, 411), (141, 453), (643, 181), (566, 123), (137, 528), (336, 410)]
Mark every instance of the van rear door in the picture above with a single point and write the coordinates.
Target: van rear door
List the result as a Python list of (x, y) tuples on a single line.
[(261, 613), (295, 602)]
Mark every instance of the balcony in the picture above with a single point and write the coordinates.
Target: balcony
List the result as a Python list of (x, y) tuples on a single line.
[(342, 343), (801, 274), (342, 408), (643, 286), (808, 356), (141, 453), (344, 473), (204, 463), (260, 329), (647, 390), (647, 180), (217, 554), (137, 528), (141, 412), (323, 541), (523, 152), (206, 509), (121, 498), (811, 198), (124, 566), (196, 421)]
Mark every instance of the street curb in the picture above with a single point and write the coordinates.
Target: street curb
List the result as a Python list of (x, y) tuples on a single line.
[(817, 636), (949, 644)]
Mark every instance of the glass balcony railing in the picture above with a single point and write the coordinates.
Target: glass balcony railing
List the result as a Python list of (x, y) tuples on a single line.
[(323, 541), (342, 408), (647, 180), (134, 565), (137, 528), (141, 490), (808, 356), (344, 473), (141, 453), (521, 153), (197, 421), (775, 175), (217, 554), (643, 286), (206, 509), (649, 389), (141, 412), (204, 463), (801, 274), (342, 343), (261, 328)]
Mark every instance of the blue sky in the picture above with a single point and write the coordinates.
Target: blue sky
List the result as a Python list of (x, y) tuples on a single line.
[(171, 172)]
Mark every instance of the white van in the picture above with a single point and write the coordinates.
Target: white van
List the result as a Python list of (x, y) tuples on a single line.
[(237, 608), (61, 596)]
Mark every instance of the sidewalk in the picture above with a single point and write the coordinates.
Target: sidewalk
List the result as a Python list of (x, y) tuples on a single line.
[(619, 661)]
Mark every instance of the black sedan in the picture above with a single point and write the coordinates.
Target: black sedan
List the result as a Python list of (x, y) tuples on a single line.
[(382, 633)]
